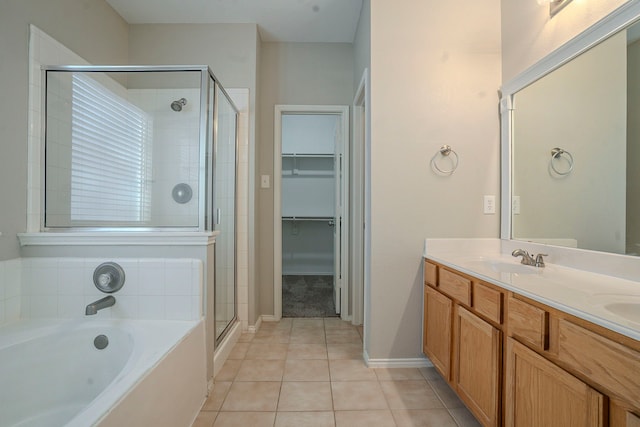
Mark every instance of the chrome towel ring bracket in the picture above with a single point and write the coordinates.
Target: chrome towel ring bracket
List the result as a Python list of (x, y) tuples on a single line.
[(445, 152), (558, 154)]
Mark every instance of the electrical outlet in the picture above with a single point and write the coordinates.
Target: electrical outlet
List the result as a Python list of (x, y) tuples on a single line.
[(515, 205), (265, 181), (489, 205)]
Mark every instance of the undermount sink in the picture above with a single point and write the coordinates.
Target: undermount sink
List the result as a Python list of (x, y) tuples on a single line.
[(507, 267), (626, 310)]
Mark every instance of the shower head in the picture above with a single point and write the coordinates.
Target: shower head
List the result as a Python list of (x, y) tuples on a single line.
[(177, 105)]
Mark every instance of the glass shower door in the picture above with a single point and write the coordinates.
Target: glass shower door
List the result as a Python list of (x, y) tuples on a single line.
[(224, 212)]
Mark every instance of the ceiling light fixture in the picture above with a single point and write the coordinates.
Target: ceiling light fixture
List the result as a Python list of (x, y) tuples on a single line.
[(555, 6)]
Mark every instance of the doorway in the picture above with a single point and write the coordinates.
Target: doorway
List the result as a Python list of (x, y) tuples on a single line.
[(311, 206)]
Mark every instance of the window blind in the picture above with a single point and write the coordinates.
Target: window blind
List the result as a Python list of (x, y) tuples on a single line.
[(110, 156)]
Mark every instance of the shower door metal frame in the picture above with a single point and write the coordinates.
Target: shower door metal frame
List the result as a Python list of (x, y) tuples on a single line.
[(205, 222)]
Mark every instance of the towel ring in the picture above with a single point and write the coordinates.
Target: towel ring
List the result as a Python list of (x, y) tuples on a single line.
[(557, 153), (445, 151)]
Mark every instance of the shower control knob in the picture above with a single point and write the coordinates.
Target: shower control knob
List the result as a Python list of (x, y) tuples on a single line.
[(104, 279)]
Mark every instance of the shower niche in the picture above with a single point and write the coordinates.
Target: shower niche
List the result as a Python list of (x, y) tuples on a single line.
[(149, 149)]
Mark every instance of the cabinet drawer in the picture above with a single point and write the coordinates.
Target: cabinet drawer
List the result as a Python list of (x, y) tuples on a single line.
[(528, 323), (632, 420), (487, 301), (455, 286), (430, 273), (606, 362)]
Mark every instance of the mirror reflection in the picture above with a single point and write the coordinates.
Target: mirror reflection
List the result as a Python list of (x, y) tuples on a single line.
[(574, 147)]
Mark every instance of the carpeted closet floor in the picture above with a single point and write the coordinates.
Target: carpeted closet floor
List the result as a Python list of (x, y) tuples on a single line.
[(308, 296)]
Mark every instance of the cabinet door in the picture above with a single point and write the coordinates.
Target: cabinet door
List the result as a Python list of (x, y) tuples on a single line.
[(437, 330), (540, 393), (478, 365)]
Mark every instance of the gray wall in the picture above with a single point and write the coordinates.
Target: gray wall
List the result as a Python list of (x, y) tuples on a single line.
[(362, 43), (292, 73), (93, 30), (435, 72)]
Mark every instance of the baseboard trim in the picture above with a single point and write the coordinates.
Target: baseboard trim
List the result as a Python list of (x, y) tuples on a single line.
[(222, 353), (418, 362), (264, 318)]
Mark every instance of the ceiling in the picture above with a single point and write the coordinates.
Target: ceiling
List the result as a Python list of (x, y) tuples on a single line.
[(330, 21)]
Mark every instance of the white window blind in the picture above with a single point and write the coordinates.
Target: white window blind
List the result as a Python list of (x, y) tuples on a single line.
[(110, 156)]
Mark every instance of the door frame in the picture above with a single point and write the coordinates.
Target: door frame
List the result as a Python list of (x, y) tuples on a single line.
[(358, 145), (279, 111)]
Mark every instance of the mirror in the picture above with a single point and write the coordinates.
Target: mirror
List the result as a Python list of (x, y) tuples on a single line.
[(572, 145)]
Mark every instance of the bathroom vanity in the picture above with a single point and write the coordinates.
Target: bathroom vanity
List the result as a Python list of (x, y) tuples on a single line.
[(528, 346)]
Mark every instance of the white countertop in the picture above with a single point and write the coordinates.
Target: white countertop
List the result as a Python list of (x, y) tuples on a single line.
[(584, 294)]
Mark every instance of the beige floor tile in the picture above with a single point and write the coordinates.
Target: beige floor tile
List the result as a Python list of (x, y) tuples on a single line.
[(204, 419), (423, 418), (239, 350), (308, 322), (343, 336), (310, 336), (245, 419), (430, 373), (272, 351), (410, 395), (275, 337), (305, 419), (217, 396), (345, 351), (357, 395), (229, 370), (307, 351), (252, 396), (306, 370), (261, 370), (305, 396), (464, 417), (398, 374), (350, 370), (364, 419), (246, 337), (333, 323), (446, 394)]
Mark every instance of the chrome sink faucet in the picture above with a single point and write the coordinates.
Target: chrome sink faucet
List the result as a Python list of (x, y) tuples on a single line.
[(98, 305), (528, 259)]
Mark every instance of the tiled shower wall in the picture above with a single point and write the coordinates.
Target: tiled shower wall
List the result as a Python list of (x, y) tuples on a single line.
[(44, 50), (154, 289), (10, 278)]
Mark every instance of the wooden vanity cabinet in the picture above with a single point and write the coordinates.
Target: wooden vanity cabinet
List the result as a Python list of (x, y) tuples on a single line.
[(516, 362), (464, 347), (477, 358), (436, 343), (538, 393)]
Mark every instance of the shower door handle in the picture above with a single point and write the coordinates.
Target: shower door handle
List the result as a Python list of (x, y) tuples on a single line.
[(218, 215)]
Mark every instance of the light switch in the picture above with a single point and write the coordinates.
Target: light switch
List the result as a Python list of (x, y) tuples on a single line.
[(265, 181), (515, 205), (489, 205)]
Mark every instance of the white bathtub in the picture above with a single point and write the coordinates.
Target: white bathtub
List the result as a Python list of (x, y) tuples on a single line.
[(150, 373)]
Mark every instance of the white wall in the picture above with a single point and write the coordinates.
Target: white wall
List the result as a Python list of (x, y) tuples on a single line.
[(93, 30), (528, 34), (435, 72)]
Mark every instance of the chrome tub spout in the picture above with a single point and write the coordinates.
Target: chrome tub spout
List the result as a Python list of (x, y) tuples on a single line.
[(96, 306)]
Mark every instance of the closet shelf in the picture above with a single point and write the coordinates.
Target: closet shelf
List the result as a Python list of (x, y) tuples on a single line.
[(327, 155), (330, 219), (299, 172)]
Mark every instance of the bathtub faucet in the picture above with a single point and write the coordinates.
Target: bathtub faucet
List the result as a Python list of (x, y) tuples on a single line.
[(95, 306)]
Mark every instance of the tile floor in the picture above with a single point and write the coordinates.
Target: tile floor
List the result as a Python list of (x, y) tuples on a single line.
[(309, 372)]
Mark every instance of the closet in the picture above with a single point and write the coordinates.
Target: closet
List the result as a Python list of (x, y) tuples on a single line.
[(310, 204)]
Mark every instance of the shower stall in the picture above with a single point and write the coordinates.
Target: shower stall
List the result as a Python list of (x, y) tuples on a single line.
[(145, 149)]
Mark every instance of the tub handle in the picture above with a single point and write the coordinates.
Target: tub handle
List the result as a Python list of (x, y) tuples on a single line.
[(108, 277)]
